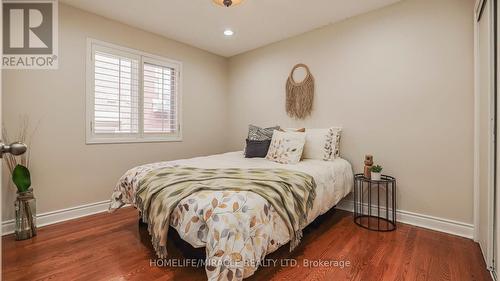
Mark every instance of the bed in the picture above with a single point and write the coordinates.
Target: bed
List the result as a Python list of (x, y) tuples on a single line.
[(238, 228)]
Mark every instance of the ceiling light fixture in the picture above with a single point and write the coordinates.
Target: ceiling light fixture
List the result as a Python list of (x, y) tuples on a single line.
[(227, 3), (228, 32)]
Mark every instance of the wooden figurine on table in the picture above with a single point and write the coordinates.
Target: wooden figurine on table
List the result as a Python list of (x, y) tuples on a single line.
[(368, 165)]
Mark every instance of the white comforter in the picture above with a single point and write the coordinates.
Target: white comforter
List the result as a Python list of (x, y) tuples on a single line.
[(267, 231)]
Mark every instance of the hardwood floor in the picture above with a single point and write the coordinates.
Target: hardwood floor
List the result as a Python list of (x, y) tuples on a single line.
[(116, 247)]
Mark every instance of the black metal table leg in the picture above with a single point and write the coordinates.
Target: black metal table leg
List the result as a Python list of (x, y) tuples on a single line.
[(363, 215)]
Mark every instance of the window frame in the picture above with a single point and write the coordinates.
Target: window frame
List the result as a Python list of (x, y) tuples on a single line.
[(142, 57)]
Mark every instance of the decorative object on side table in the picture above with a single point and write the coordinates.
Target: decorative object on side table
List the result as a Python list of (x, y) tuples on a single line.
[(370, 196), (368, 165), (25, 204), (376, 172)]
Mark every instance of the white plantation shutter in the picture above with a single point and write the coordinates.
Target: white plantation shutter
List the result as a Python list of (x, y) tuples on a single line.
[(116, 94), (160, 109), (132, 96)]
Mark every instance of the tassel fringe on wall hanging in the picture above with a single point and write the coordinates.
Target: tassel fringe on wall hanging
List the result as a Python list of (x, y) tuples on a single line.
[(299, 96)]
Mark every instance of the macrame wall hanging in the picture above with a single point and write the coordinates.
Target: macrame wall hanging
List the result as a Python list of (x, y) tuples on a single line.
[(299, 96)]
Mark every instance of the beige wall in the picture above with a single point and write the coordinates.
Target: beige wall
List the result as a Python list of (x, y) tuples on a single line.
[(65, 171), (400, 82)]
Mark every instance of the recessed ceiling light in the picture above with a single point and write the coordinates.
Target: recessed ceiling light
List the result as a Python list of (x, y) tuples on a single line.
[(228, 32)]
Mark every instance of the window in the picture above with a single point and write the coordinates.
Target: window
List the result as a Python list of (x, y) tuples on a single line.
[(131, 96)]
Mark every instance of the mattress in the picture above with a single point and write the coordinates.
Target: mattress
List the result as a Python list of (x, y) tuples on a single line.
[(267, 231)]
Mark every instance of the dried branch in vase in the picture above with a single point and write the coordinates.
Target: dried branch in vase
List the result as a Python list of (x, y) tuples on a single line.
[(25, 135)]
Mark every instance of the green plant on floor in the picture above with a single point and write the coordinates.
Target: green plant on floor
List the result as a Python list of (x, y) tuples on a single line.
[(18, 166)]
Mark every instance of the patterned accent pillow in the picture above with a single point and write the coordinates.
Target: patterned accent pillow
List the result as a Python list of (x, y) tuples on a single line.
[(260, 134), (332, 145), (286, 147)]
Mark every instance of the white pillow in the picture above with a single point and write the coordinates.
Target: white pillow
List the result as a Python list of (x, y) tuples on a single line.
[(323, 144), (286, 147), (297, 130)]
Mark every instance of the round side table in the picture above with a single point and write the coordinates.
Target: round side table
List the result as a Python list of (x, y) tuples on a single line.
[(375, 203)]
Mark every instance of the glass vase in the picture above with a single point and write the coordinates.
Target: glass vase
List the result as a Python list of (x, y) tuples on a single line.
[(25, 215)]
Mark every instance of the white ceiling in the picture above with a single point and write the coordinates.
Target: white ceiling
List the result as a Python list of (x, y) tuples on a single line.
[(256, 23)]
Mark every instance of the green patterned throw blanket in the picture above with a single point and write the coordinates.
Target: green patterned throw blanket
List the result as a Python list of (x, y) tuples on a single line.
[(291, 193)]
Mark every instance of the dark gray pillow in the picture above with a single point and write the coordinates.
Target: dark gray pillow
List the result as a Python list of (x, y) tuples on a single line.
[(256, 148), (260, 134)]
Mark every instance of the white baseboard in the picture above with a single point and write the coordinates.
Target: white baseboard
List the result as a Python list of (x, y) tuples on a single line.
[(425, 221), (61, 215)]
